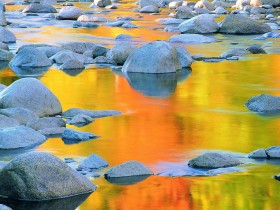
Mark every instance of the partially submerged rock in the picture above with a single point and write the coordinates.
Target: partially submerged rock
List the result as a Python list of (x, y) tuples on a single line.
[(31, 94), (69, 13), (236, 52), (184, 57), (92, 113), (94, 162), (80, 120), (65, 55), (264, 104), (71, 136), (191, 39), (6, 55), (72, 64), (273, 152), (6, 36), (259, 153), (212, 160), (39, 176), (46, 122), (39, 8)]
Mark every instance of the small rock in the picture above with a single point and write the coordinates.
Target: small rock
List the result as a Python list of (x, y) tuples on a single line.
[(191, 39), (123, 37), (7, 36), (256, 49), (102, 3), (94, 162), (259, 153), (94, 114), (149, 9), (71, 136), (6, 55), (79, 120)]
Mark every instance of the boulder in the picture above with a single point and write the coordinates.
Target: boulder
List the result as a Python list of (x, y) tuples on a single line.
[(256, 49), (65, 55), (159, 57), (184, 14), (39, 8), (78, 24), (256, 3), (184, 57), (240, 4), (202, 24), (236, 52), (6, 55), (49, 50), (3, 21), (52, 132), (72, 64), (31, 94), (102, 3), (46, 122), (94, 162), (80, 120), (30, 57), (104, 60), (239, 24), (213, 160), (71, 136), (143, 3), (6, 122), (273, 152), (20, 137), (120, 52), (7, 36), (259, 153), (69, 13), (22, 115), (149, 9), (204, 4), (175, 4), (99, 50), (79, 47), (191, 39), (70, 113), (264, 104), (89, 18), (38, 176), (257, 10), (127, 169)]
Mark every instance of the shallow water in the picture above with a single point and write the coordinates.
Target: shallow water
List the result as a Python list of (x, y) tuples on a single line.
[(167, 119)]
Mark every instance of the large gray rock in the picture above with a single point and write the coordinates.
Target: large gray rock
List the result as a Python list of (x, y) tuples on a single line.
[(94, 114), (184, 57), (191, 39), (39, 8), (264, 104), (184, 14), (69, 13), (240, 24), (202, 24), (79, 47), (102, 3), (120, 52), (46, 122), (127, 169), (39, 176), (6, 36), (214, 160), (273, 152), (72, 64), (3, 21), (66, 55), (20, 137), (6, 55), (30, 57), (22, 115), (158, 57), (7, 121), (71, 136), (94, 162), (149, 9), (99, 50), (259, 153), (32, 94)]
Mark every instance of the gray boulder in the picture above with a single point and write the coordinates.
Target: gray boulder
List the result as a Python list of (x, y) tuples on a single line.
[(38, 176), (7, 121), (120, 52), (69, 13), (273, 152), (20, 137), (264, 104), (149, 9), (256, 49), (46, 122), (220, 10), (66, 55), (94, 114), (184, 14), (3, 21), (191, 39), (7, 36), (127, 169), (143, 3), (89, 18), (72, 64), (79, 47), (71, 136), (236, 52), (30, 57), (49, 50), (39, 8), (102, 3), (80, 120), (94, 162), (20, 114), (104, 60), (184, 57), (204, 4), (31, 94), (202, 24), (52, 132), (213, 160), (159, 57), (99, 50), (240, 24), (6, 55), (259, 153)]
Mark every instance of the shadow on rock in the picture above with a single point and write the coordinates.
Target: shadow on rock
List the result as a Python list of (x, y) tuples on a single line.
[(29, 71), (59, 204), (127, 180)]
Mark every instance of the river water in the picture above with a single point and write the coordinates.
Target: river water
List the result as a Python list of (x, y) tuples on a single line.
[(167, 119)]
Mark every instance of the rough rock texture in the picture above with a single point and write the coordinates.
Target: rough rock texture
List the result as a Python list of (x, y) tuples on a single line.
[(264, 104), (94, 162), (6, 36), (49, 50), (7, 121), (79, 47), (66, 55), (31, 94), (80, 119), (273, 152), (71, 136), (6, 55), (99, 51), (89, 18), (256, 49), (22, 115), (202, 24), (46, 122), (240, 24), (204, 4), (69, 13), (94, 114), (3, 207), (127, 169), (72, 64), (259, 153), (159, 57), (191, 39), (20, 137), (39, 8), (49, 132), (271, 2), (4, 46), (214, 160), (184, 57), (120, 52), (30, 57), (41, 176)]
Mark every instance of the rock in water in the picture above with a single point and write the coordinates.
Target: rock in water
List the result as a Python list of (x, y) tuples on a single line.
[(240, 24), (71, 136), (3, 21), (20, 137), (94, 162), (38, 176), (6, 36), (22, 115), (69, 13), (31, 94), (184, 57), (39, 8), (259, 153), (273, 152), (92, 113), (46, 123), (159, 57), (213, 160), (72, 64), (191, 39), (264, 104), (120, 52), (127, 169), (102, 3), (3, 207)]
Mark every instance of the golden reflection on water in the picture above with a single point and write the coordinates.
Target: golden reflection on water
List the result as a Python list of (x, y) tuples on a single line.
[(205, 111)]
